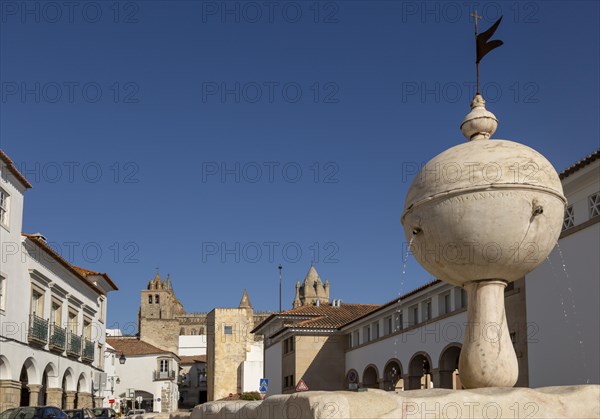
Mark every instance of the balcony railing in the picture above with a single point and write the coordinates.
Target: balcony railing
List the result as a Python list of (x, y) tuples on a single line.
[(164, 375), (38, 330), (88, 351), (58, 338), (74, 345)]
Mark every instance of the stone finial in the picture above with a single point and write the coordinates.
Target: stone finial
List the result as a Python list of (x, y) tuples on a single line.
[(479, 124), (245, 301)]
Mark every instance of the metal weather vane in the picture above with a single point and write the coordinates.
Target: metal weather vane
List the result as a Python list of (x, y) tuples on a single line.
[(482, 44)]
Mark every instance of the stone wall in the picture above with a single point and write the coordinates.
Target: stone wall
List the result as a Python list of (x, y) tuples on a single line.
[(162, 333)]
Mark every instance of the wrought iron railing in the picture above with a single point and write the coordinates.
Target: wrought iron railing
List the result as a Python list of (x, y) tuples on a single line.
[(74, 345), (38, 329), (164, 375), (88, 351), (58, 337)]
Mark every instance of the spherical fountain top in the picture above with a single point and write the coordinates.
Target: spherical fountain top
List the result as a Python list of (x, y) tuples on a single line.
[(479, 124), (487, 209)]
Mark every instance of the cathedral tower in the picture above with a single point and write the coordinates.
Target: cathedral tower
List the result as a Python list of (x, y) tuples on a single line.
[(312, 291)]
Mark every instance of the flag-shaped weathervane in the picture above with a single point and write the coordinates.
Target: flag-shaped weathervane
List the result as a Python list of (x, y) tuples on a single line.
[(482, 42)]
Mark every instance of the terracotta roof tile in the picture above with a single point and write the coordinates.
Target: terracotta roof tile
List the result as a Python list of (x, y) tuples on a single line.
[(190, 359), (86, 272), (580, 164), (44, 246), (12, 168), (131, 346)]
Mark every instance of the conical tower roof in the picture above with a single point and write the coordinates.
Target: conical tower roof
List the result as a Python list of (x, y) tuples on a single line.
[(245, 301), (312, 276)]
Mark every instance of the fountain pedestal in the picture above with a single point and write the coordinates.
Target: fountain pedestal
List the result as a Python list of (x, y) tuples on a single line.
[(487, 340)]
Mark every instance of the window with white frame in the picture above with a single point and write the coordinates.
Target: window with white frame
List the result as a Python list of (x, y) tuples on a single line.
[(2, 292), (445, 303), (399, 319), (163, 366), (4, 197), (356, 338), (594, 203), (375, 330), (414, 315), (37, 302), (56, 313), (366, 334), (388, 325), (569, 220), (426, 310)]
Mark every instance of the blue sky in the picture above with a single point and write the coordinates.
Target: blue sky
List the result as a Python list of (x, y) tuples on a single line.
[(215, 140)]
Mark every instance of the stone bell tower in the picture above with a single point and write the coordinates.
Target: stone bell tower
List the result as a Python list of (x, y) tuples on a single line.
[(311, 290), (159, 309)]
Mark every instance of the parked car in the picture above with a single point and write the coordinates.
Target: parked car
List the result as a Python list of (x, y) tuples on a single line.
[(6, 413), (104, 413), (80, 414), (135, 412), (37, 412)]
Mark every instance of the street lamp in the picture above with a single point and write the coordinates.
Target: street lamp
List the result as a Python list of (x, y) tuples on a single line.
[(122, 358)]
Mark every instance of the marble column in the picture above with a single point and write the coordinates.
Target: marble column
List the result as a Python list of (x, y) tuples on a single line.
[(70, 402), (34, 394), (10, 394), (54, 397)]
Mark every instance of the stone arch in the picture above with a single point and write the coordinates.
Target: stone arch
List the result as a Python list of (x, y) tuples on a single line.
[(370, 377), (418, 367), (52, 376), (4, 368), (448, 364), (392, 375), (82, 383), (68, 381)]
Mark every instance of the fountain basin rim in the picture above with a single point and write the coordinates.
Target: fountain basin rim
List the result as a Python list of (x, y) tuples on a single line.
[(491, 186)]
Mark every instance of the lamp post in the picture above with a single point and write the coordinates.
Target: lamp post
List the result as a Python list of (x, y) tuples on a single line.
[(122, 359)]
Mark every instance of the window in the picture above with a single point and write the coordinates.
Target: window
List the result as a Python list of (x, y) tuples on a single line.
[(463, 298), (594, 202), (37, 303), (569, 220), (56, 313), (149, 299), (163, 365), (72, 324), (366, 334), (356, 338), (156, 299), (102, 310), (2, 293), (399, 320), (288, 381), (445, 303), (375, 329), (3, 208), (427, 310), (414, 315), (228, 330), (388, 325), (288, 345), (87, 328)]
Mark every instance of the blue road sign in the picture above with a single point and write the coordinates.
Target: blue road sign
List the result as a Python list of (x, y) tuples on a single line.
[(264, 385)]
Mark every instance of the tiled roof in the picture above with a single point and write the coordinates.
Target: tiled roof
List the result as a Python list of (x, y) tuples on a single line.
[(191, 359), (324, 317), (11, 167), (44, 246), (132, 346), (580, 164), (87, 272)]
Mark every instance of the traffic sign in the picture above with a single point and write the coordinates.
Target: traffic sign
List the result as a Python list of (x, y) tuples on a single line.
[(264, 385), (301, 386)]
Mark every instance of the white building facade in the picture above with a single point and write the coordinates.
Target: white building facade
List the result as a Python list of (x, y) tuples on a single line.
[(563, 304), (52, 314)]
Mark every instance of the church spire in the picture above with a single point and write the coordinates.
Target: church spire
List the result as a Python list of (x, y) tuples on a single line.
[(168, 284), (245, 301)]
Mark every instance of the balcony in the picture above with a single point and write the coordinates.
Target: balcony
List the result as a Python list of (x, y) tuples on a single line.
[(164, 375), (38, 330), (58, 338), (88, 351), (74, 345)]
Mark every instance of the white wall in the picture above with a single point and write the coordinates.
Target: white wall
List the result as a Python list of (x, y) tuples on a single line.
[(252, 368), (192, 345), (555, 355), (272, 368)]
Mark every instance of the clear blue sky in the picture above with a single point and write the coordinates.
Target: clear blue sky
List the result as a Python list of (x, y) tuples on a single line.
[(135, 90)]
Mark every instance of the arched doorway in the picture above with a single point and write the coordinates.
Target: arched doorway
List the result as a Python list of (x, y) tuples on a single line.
[(419, 371), (68, 384), (4, 368), (28, 376), (448, 365), (392, 375), (370, 377), (81, 400)]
